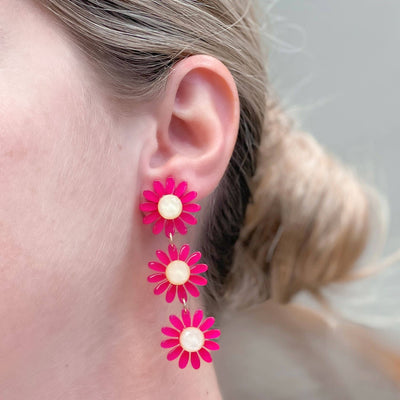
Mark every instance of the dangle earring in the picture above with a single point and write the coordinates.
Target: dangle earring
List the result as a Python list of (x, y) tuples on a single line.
[(177, 272)]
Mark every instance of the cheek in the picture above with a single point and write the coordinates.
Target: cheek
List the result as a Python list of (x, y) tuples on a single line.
[(57, 181), (66, 194)]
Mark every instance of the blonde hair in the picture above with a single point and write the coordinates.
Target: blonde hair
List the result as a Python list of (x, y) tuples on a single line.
[(286, 216)]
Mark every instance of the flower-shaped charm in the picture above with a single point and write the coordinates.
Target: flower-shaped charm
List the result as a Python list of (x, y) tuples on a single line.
[(178, 273), (190, 339), (169, 207)]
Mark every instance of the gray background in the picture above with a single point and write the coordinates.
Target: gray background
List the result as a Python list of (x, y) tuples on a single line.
[(336, 67)]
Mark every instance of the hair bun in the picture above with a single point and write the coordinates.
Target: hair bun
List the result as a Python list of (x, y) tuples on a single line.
[(307, 224)]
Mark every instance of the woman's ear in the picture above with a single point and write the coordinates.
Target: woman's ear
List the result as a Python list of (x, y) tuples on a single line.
[(196, 126)]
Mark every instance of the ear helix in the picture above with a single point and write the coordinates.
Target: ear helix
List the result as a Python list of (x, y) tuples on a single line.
[(177, 272)]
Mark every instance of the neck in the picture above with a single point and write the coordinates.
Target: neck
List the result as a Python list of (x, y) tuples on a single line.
[(108, 346), (135, 366)]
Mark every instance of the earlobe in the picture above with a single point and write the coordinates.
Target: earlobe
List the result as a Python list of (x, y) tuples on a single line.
[(197, 125)]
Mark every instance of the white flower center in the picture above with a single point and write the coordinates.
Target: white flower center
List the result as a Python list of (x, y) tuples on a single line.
[(177, 272), (170, 206), (191, 339)]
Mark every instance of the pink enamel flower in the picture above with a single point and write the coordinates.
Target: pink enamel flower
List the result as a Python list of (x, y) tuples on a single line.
[(177, 273), (169, 207), (190, 339)]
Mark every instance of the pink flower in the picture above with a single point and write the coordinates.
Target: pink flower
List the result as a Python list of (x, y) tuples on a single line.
[(169, 206), (190, 339), (178, 273)]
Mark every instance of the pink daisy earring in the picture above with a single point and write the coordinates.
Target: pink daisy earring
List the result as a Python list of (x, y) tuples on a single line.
[(169, 207), (178, 272)]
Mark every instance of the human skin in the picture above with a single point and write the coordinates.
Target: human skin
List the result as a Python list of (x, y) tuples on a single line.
[(78, 320)]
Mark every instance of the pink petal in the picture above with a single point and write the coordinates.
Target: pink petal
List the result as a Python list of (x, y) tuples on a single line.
[(169, 185), (158, 187), (205, 355), (148, 207), (180, 226), (176, 322), (158, 226), (199, 268), (182, 293), (192, 289), (195, 360), (180, 189), (183, 360), (191, 207), (188, 197), (151, 196), (184, 252), (212, 334), (170, 331), (173, 252), (162, 257), (156, 277), (194, 258), (148, 219), (197, 317), (210, 345), (174, 353), (188, 218), (169, 228), (198, 280), (169, 343), (208, 322), (186, 317), (171, 292), (156, 266), (161, 287)]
